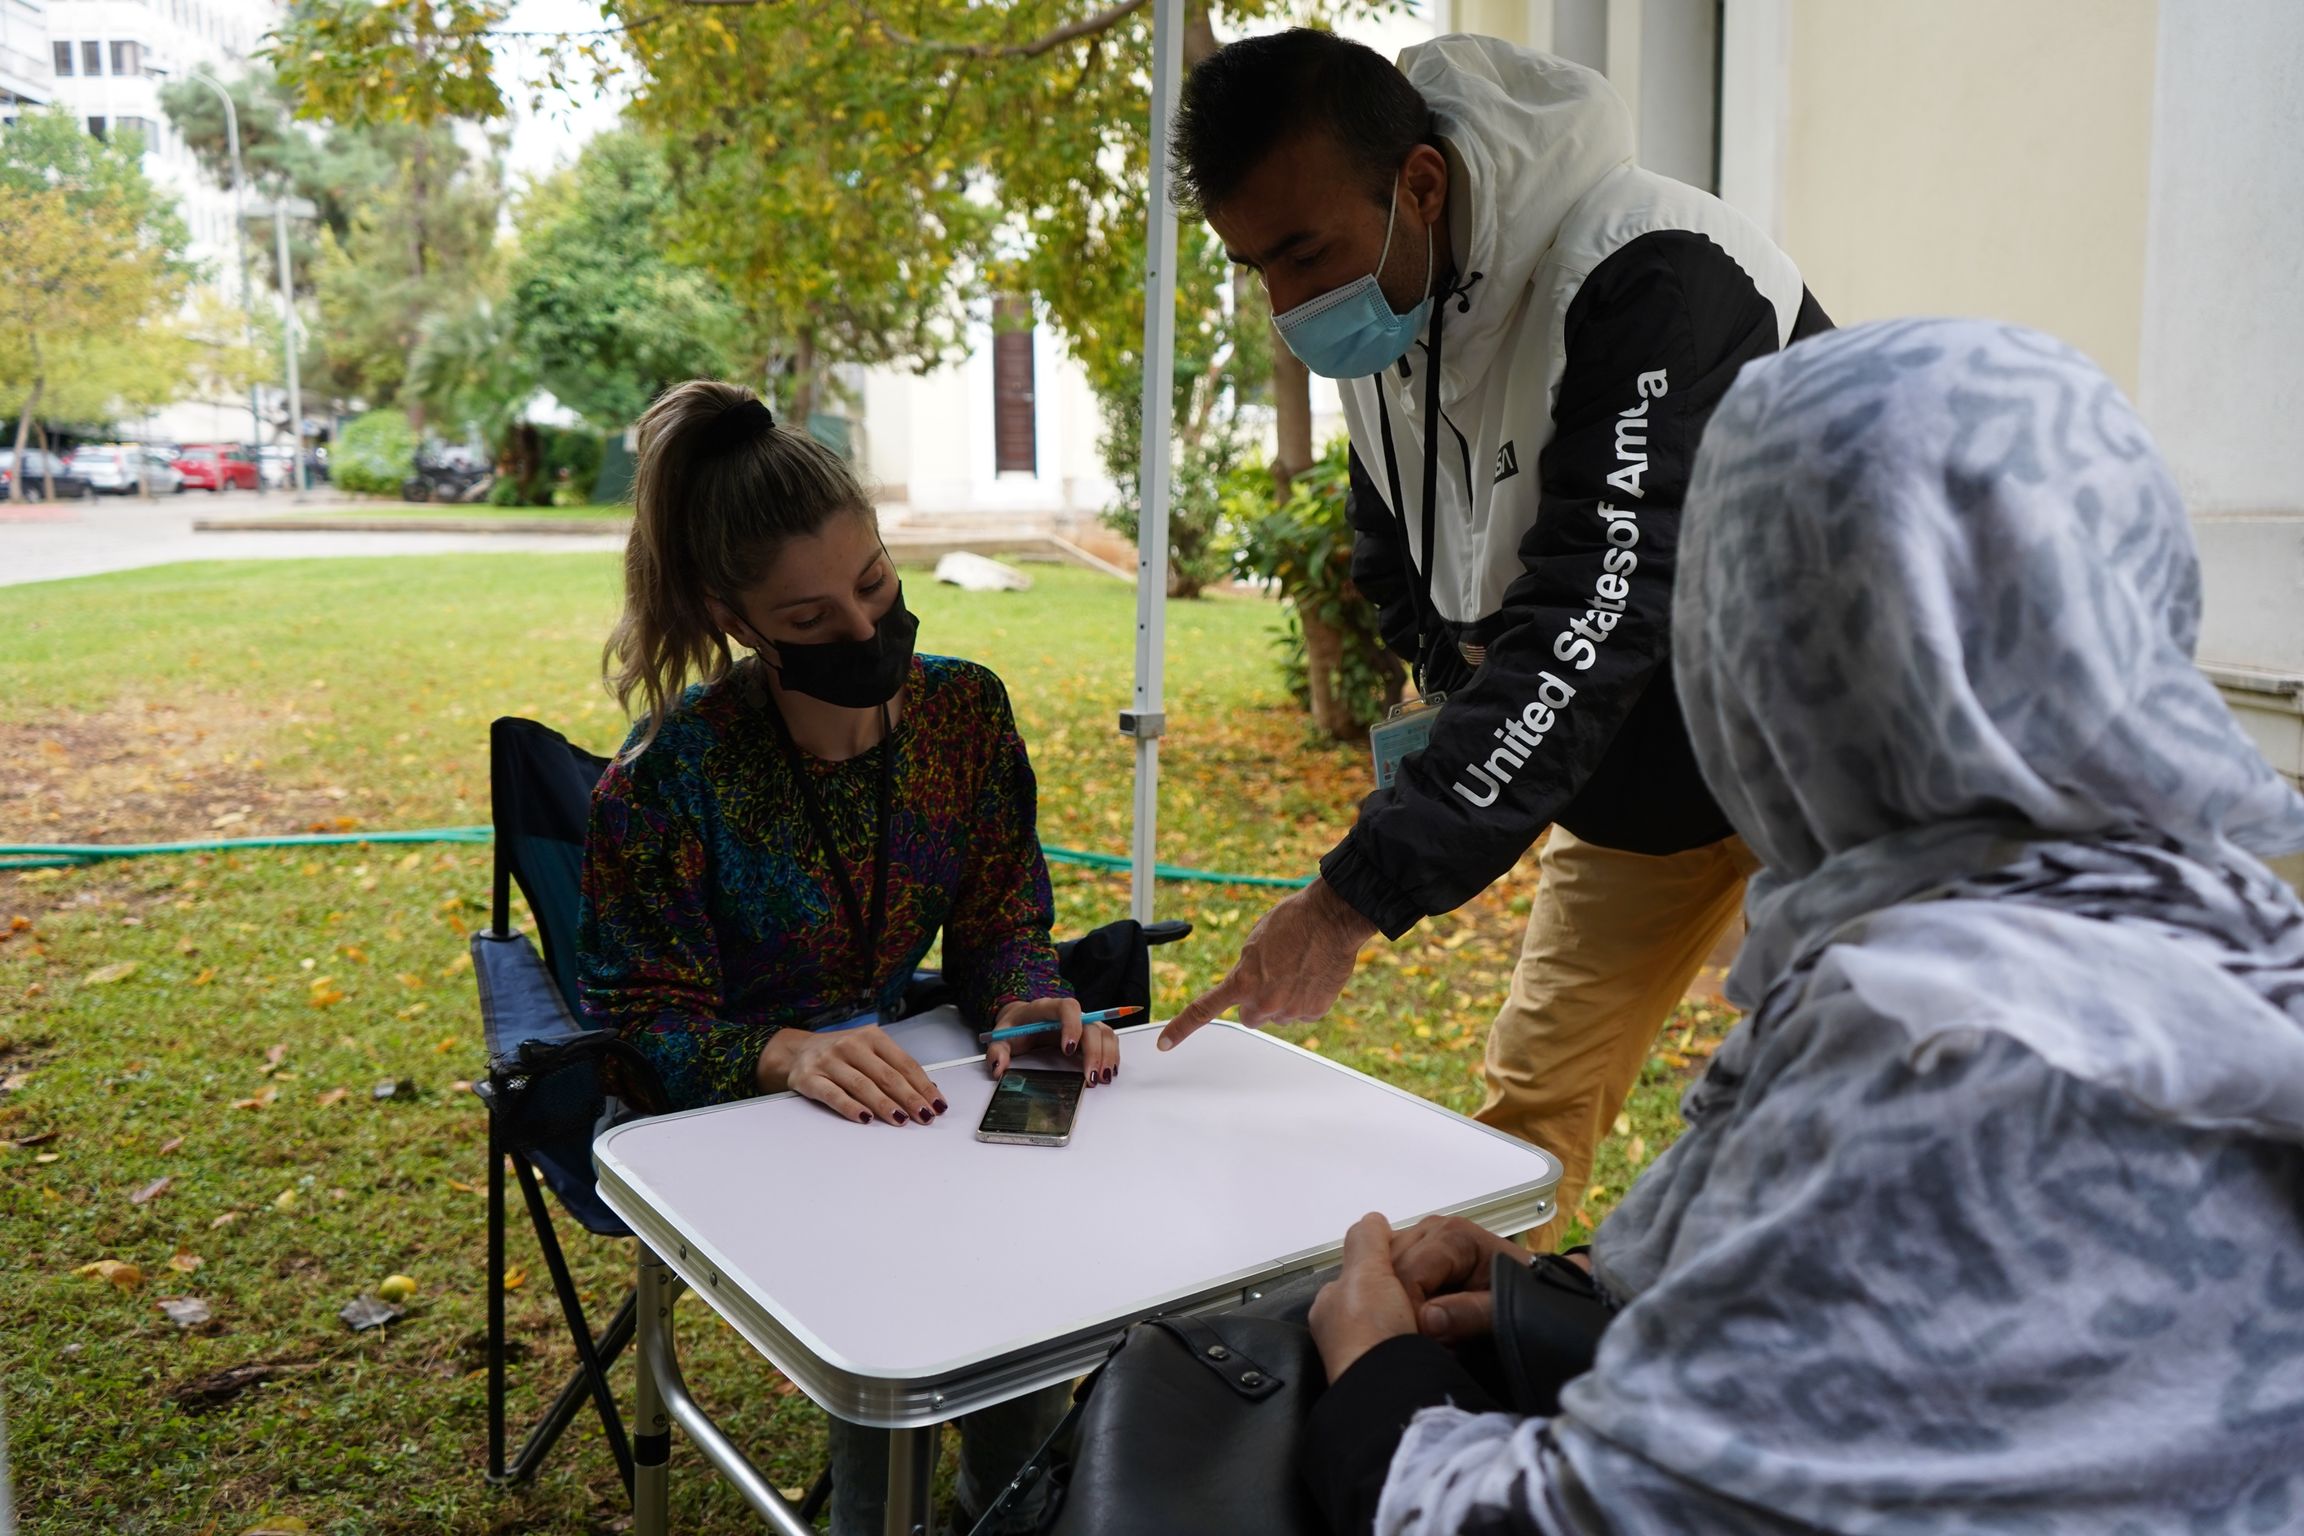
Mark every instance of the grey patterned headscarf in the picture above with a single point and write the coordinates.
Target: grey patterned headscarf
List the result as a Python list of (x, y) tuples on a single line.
[(1988, 1217), (1933, 631)]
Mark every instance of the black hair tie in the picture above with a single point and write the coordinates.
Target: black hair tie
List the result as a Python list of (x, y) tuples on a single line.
[(746, 421)]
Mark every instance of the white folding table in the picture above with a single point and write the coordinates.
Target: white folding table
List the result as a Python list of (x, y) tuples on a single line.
[(1199, 1177)]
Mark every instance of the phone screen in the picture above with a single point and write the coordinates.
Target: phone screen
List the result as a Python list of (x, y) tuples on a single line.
[(1033, 1103)]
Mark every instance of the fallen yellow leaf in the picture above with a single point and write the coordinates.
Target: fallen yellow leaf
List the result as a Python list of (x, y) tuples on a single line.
[(207, 975), (126, 1276), (334, 1096), (104, 976), (284, 1201), (184, 1263), (515, 1277)]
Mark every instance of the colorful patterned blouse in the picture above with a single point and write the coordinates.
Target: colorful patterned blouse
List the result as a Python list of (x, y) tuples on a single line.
[(710, 918)]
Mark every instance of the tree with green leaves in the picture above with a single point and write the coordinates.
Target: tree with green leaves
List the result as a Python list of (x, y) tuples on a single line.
[(856, 180), (606, 318), (421, 245), (406, 227), (91, 274), (860, 180)]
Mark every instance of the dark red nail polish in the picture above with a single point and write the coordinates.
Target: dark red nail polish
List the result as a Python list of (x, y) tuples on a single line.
[(863, 1117), (902, 1117), (941, 1106), (927, 1115)]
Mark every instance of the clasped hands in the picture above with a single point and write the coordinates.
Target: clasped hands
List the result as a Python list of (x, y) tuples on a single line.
[(1431, 1278)]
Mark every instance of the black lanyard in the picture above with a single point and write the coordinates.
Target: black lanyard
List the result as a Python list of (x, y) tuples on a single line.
[(1427, 612), (820, 833)]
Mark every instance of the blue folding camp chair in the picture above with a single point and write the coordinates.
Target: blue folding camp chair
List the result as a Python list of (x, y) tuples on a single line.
[(551, 1082), (549, 1079)]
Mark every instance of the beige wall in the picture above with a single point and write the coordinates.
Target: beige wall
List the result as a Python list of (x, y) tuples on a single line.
[(1986, 157)]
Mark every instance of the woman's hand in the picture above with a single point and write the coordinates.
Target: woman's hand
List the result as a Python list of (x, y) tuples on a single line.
[(1443, 1264), (1365, 1304), (1094, 1046), (860, 1074)]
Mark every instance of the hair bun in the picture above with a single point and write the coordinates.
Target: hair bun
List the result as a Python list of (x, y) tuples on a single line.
[(746, 421)]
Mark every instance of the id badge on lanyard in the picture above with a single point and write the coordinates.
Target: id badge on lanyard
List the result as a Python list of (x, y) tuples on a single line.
[(1405, 730)]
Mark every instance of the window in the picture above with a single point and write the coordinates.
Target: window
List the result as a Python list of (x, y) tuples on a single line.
[(64, 60), (138, 125), (127, 58), (1015, 450), (95, 127), (91, 58)]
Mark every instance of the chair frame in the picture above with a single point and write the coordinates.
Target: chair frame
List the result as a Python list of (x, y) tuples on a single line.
[(594, 1353)]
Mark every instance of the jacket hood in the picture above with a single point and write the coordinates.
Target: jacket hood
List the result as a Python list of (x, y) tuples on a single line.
[(1527, 136)]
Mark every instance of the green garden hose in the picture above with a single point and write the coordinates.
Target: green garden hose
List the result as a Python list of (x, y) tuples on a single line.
[(72, 855)]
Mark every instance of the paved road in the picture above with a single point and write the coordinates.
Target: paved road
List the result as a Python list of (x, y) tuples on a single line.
[(46, 541)]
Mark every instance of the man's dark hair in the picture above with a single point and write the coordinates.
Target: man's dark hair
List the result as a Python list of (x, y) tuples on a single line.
[(1250, 97)]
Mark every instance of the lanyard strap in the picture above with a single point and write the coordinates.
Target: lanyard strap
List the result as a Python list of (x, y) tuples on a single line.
[(1427, 611), (820, 833)]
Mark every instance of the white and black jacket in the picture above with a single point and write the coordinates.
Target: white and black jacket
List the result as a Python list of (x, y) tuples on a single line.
[(1597, 314)]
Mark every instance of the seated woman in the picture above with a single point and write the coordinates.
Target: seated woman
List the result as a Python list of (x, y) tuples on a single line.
[(1990, 1214), (779, 844)]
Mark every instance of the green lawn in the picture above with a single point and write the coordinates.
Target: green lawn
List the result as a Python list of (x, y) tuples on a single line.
[(193, 1019)]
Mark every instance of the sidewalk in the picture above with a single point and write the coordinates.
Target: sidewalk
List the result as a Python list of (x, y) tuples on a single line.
[(53, 540)]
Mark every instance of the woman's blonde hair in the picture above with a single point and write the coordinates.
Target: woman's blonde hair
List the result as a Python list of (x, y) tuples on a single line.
[(715, 498)]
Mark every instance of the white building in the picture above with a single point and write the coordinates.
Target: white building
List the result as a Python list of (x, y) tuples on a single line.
[(105, 62), (25, 80)]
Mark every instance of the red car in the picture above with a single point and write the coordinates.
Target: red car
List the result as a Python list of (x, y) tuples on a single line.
[(211, 467)]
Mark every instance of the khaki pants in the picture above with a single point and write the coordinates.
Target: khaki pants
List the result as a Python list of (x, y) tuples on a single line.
[(1614, 939)]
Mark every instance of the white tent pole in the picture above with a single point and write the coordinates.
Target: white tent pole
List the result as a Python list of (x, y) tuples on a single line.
[(1146, 721)]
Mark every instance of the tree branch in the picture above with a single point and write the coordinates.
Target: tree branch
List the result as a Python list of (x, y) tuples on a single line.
[(1071, 32)]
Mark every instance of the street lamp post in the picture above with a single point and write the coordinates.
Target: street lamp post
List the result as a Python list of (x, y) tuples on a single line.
[(240, 243), (302, 481)]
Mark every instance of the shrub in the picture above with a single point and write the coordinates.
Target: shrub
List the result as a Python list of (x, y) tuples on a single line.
[(576, 450), (375, 453), (1332, 656)]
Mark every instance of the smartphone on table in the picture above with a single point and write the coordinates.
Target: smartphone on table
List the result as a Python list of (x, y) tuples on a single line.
[(1032, 1107)]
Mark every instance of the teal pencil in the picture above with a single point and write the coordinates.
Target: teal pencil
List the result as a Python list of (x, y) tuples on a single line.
[(1042, 1026)]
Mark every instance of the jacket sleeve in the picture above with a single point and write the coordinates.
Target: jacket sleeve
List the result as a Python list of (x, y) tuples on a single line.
[(1356, 1425), (1380, 564), (1584, 627), (648, 962)]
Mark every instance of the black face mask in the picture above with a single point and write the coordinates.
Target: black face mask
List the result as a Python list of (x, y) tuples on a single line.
[(854, 674)]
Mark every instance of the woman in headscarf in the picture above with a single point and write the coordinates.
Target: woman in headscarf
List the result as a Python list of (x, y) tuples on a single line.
[(1990, 1214)]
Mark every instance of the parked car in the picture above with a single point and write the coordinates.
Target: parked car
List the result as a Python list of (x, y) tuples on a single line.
[(278, 461), (216, 467), (122, 469), (39, 471)]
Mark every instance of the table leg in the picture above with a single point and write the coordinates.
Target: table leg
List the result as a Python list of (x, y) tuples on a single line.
[(911, 1480), (651, 1425)]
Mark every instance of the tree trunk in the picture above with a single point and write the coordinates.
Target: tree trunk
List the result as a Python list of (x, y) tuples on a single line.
[(1323, 659), (47, 467), (24, 418), (803, 367), (1200, 39), (1292, 402)]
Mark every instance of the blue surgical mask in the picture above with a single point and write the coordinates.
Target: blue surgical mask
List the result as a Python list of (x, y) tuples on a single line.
[(1351, 332)]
